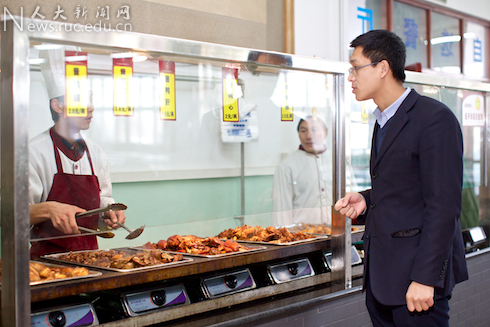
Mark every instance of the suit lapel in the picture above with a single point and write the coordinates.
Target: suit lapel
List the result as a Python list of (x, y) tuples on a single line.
[(396, 125)]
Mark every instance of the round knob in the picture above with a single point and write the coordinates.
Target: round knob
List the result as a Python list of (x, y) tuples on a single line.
[(57, 319), (231, 281), (293, 268), (158, 297)]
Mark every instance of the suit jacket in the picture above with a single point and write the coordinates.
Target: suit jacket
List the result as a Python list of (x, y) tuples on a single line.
[(412, 223)]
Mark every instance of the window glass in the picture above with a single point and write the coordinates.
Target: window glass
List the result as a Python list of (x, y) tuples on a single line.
[(410, 23), (445, 44), (178, 167), (475, 50)]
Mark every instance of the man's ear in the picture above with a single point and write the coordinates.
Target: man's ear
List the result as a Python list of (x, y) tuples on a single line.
[(56, 106), (385, 68)]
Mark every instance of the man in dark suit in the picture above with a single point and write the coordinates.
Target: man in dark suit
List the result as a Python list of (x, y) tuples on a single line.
[(413, 241)]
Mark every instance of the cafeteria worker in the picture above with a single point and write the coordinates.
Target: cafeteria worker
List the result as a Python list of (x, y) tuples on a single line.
[(67, 174)]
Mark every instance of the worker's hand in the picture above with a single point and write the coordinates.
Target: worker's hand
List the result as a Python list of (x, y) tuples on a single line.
[(112, 217), (62, 215), (351, 205), (420, 297)]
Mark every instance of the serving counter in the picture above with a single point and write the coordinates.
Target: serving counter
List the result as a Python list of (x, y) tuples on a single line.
[(110, 294)]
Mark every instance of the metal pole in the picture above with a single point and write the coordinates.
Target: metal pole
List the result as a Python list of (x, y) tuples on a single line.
[(16, 298), (242, 173)]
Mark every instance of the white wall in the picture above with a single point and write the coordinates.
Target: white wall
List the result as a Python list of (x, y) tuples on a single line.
[(317, 29)]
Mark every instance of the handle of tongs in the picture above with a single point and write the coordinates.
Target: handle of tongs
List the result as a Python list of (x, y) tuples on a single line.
[(115, 206)]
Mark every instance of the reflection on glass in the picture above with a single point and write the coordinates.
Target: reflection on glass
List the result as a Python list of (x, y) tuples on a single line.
[(445, 42), (410, 23), (303, 180)]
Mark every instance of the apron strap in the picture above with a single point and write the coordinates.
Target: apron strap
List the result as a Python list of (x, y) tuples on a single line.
[(57, 157)]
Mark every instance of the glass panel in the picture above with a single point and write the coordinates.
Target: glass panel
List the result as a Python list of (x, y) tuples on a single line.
[(361, 131), (410, 23), (180, 172), (475, 50), (445, 42)]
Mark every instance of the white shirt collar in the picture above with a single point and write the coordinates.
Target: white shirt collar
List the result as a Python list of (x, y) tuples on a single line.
[(382, 117)]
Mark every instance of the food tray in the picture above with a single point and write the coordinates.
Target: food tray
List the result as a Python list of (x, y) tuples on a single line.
[(91, 274), (55, 257), (299, 227), (316, 238), (251, 249)]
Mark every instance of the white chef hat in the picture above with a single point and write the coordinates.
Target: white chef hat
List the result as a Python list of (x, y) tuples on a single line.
[(53, 70)]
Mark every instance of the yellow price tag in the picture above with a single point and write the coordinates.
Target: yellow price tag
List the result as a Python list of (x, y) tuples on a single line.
[(76, 90), (122, 78), (230, 102), (286, 109), (167, 106)]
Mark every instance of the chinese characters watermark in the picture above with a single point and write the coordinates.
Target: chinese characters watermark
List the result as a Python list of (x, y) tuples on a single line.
[(59, 16)]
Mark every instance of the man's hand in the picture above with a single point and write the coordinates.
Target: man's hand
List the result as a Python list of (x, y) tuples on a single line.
[(351, 205), (112, 217), (420, 297), (62, 215)]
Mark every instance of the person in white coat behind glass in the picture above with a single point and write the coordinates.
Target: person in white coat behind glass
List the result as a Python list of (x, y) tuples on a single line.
[(302, 191)]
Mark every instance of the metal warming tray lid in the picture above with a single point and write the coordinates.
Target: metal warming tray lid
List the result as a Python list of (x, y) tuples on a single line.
[(127, 251)]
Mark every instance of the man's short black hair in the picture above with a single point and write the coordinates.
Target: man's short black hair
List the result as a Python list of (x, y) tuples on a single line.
[(381, 45)]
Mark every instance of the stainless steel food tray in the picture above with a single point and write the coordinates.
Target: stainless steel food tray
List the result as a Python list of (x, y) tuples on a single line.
[(91, 274), (251, 249), (316, 238), (298, 227), (55, 257)]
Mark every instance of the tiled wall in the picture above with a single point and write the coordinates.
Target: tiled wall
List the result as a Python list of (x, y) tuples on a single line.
[(470, 305)]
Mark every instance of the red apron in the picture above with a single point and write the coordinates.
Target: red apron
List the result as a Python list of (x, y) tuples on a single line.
[(80, 190)]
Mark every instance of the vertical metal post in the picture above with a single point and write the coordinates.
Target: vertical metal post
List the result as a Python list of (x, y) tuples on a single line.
[(14, 168), (242, 173), (484, 142), (340, 241)]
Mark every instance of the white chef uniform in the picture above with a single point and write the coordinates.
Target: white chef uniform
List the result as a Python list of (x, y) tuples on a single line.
[(302, 189), (42, 168)]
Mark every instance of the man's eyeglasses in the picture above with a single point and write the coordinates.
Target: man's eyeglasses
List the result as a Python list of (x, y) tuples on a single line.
[(353, 70)]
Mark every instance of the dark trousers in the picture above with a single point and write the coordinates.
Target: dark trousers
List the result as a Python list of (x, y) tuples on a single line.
[(399, 316)]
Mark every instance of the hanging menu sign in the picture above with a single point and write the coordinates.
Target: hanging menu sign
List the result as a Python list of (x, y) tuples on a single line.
[(167, 90), (122, 73), (286, 109), (76, 86), (230, 98)]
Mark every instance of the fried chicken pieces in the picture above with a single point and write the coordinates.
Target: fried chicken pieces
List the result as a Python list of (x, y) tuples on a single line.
[(317, 228), (40, 273), (120, 259), (196, 245), (258, 234)]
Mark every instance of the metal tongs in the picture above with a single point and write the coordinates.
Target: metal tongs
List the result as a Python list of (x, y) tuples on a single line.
[(99, 233), (111, 207)]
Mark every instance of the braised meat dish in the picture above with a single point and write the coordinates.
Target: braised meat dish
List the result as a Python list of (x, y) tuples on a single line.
[(120, 259), (40, 273), (197, 245), (316, 228), (258, 234)]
